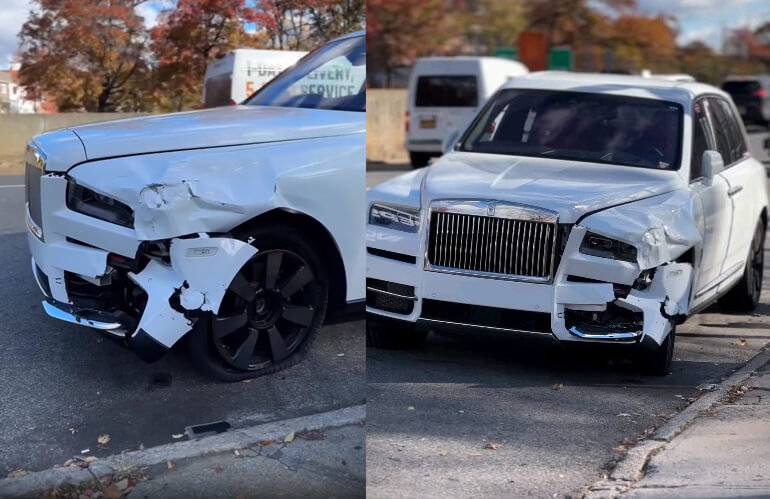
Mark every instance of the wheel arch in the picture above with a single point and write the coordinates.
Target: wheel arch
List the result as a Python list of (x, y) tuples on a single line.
[(317, 233)]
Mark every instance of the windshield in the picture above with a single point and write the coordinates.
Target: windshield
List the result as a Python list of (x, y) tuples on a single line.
[(331, 77), (579, 126)]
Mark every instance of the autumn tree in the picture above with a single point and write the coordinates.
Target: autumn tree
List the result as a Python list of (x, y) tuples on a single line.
[(399, 31), (186, 39), (83, 52)]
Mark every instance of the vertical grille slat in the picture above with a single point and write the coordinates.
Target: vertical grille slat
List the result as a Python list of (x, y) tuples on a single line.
[(487, 244)]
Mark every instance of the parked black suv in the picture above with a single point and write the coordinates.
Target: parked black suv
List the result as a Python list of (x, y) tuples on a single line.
[(751, 95)]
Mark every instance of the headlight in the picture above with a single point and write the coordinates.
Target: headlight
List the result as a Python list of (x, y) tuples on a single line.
[(395, 217), (596, 245), (84, 200)]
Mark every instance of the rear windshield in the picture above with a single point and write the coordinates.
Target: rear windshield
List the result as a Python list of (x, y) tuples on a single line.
[(446, 91), (579, 126), (741, 87)]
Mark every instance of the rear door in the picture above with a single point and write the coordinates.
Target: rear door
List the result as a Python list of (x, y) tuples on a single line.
[(443, 103), (741, 174)]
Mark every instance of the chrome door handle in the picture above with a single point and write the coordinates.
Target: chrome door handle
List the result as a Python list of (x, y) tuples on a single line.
[(734, 190)]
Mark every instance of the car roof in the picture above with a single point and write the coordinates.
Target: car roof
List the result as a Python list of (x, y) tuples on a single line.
[(682, 92), (351, 35)]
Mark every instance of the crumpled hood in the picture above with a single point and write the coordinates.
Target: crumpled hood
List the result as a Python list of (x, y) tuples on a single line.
[(571, 188), (218, 127)]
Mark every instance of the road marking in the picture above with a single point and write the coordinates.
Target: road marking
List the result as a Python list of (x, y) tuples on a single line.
[(14, 185)]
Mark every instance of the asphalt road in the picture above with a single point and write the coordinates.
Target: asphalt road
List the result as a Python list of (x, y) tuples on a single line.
[(62, 386), (556, 413)]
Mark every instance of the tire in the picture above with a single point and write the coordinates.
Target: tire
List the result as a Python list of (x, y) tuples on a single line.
[(271, 312), (393, 335), (744, 296), (656, 361), (419, 159)]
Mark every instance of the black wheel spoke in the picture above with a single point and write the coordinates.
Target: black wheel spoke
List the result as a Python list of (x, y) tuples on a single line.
[(243, 354), (223, 326), (277, 345), (274, 260), (241, 287), (297, 281), (300, 315)]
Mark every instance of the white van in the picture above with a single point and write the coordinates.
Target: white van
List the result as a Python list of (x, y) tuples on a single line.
[(445, 93), (237, 75)]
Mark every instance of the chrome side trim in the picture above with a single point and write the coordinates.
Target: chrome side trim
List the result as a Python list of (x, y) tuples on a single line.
[(377, 290), (57, 313), (31, 225), (478, 326), (574, 331)]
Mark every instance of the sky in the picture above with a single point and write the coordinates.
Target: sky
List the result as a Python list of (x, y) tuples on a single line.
[(698, 19)]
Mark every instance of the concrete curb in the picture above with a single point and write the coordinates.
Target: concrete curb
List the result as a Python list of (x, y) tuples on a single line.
[(631, 468), (34, 484)]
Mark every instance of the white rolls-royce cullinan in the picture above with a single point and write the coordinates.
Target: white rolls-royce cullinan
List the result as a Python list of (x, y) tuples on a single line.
[(241, 226), (594, 208)]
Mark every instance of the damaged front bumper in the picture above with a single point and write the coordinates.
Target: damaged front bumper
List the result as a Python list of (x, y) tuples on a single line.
[(589, 299), (98, 274)]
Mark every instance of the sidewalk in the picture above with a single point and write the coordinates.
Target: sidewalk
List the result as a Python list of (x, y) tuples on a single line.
[(724, 452), (317, 464)]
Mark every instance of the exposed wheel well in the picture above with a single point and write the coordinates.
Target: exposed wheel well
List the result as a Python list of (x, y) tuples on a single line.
[(317, 234)]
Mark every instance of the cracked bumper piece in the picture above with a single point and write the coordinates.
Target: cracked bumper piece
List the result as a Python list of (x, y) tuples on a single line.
[(199, 272)]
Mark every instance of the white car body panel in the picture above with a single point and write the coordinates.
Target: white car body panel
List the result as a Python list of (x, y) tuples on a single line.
[(661, 213)]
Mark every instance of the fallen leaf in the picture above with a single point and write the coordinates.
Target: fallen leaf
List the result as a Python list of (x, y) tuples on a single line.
[(122, 484), (68, 462), (741, 342), (493, 446), (266, 443), (442, 453), (17, 473), (103, 439), (289, 438), (177, 435), (90, 459), (218, 469), (557, 386), (410, 408), (170, 465)]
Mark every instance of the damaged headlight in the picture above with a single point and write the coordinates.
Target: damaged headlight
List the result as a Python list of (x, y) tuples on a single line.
[(596, 245), (84, 200), (395, 217)]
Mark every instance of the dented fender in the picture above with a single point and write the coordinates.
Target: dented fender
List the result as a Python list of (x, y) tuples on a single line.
[(662, 228)]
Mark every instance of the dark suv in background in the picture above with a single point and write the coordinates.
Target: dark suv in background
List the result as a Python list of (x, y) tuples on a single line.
[(751, 95)]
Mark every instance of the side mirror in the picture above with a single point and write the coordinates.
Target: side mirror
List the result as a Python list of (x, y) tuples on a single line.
[(712, 164), (450, 141), (767, 143)]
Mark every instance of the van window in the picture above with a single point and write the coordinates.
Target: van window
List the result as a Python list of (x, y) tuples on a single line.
[(218, 90), (447, 91), (743, 87)]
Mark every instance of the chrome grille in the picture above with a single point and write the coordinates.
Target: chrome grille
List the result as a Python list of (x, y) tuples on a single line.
[(492, 239), (34, 164)]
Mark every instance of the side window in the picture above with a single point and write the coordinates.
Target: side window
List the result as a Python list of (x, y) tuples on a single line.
[(721, 131), (702, 138), (734, 130)]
